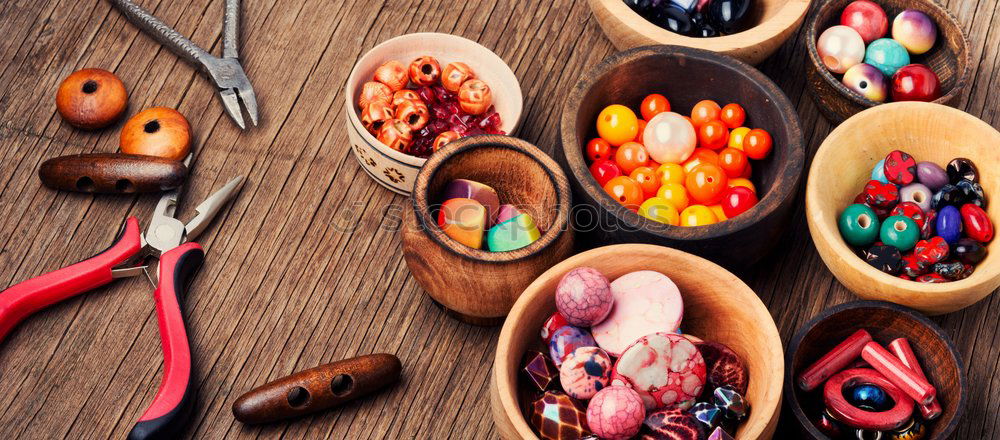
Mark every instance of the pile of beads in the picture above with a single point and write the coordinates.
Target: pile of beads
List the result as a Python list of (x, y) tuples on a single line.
[(674, 169), (867, 71), (695, 18), (874, 396), (918, 221), (441, 105), (472, 211), (614, 371)]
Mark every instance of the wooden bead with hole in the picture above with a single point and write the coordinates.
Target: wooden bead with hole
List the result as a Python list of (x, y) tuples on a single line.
[(90, 99), (157, 131)]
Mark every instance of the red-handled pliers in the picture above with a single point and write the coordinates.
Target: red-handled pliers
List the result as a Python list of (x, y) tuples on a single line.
[(167, 240)]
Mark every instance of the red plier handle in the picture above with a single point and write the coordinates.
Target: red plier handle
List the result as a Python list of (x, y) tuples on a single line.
[(25, 298), (172, 404)]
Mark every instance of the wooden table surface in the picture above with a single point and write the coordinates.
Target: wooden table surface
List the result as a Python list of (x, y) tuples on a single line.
[(306, 267)]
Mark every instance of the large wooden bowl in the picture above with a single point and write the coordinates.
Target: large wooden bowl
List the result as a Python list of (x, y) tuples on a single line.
[(686, 76), (886, 322), (475, 285), (949, 58), (774, 22), (842, 166), (717, 307)]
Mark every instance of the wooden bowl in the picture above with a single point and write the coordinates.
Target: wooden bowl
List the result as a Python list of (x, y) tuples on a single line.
[(717, 307), (395, 170), (479, 286), (686, 76), (774, 22), (949, 57), (842, 166), (885, 321)]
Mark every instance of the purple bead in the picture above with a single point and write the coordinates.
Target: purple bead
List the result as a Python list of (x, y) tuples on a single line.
[(931, 175), (567, 339), (949, 224), (917, 193)]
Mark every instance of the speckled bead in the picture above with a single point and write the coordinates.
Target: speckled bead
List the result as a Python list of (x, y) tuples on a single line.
[(900, 168), (931, 251), (664, 368), (671, 424), (616, 413), (948, 195), (949, 224), (913, 267), (931, 175), (952, 270), (557, 416), (585, 372), (914, 430), (566, 340), (917, 193), (931, 278), (885, 258), (930, 220), (881, 195), (911, 210), (973, 193), (583, 296)]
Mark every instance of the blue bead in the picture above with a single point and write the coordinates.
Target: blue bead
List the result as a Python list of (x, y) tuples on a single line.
[(949, 224), (887, 55), (870, 397), (878, 173)]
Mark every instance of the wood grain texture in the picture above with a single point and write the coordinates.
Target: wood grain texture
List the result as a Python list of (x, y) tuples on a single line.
[(306, 268), (112, 173)]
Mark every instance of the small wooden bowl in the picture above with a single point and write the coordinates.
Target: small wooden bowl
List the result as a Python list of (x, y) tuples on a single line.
[(842, 166), (395, 170), (949, 57), (774, 22), (475, 285), (885, 321), (686, 76), (717, 307)]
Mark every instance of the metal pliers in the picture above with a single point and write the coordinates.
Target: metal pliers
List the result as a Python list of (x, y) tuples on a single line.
[(167, 240), (225, 72)]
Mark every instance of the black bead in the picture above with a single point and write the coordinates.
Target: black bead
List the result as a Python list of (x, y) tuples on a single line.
[(729, 16), (640, 6), (969, 251), (962, 168), (951, 270), (674, 19), (885, 258), (706, 31), (973, 192), (948, 195)]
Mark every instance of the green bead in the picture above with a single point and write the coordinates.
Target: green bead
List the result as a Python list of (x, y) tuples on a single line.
[(900, 232), (512, 234), (858, 225)]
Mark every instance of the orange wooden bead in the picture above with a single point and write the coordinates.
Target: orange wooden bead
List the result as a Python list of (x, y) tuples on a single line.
[(157, 131), (91, 98)]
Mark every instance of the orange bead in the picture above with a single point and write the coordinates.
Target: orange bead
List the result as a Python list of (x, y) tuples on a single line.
[(713, 135), (733, 115), (625, 190), (700, 156), (642, 128), (598, 149), (630, 156), (697, 215), (646, 178), (704, 112), (736, 136), (757, 144), (706, 184), (744, 182), (653, 105), (674, 193), (670, 173), (733, 162), (720, 215), (617, 124)]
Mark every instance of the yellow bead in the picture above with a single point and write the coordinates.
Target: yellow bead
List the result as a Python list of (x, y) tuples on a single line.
[(670, 173), (659, 209), (675, 194), (697, 215), (736, 137), (719, 215), (742, 182)]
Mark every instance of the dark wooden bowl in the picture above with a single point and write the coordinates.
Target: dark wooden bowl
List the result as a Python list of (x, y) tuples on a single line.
[(475, 285), (685, 76), (949, 57), (885, 321)]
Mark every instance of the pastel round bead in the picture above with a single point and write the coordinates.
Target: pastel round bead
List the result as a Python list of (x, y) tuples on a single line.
[(900, 232), (949, 224), (615, 413), (644, 302), (858, 224), (585, 372), (887, 55), (878, 173), (566, 340), (915, 30), (583, 296), (931, 175), (915, 82), (666, 369), (669, 138), (867, 81), (840, 48), (917, 193), (866, 17)]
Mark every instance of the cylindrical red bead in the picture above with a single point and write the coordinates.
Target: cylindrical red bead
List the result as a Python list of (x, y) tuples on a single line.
[(834, 361), (902, 376), (902, 349)]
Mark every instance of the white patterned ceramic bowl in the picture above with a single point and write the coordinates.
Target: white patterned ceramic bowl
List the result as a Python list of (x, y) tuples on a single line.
[(393, 169)]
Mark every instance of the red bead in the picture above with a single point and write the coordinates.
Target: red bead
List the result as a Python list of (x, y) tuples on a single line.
[(844, 411), (900, 168), (737, 200), (901, 348), (893, 369), (915, 82), (834, 361), (911, 210), (598, 149), (931, 278), (931, 251), (604, 170), (881, 195), (555, 322), (976, 223), (913, 267)]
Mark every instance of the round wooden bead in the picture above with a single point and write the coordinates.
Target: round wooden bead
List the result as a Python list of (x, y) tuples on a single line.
[(900, 232), (900, 168), (962, 168), (584, 297), (949, 224), (976, 223), (859, 225), (931, 175), (840, 48), (616, 413), (91, 98), (664, 368), (157, 131)]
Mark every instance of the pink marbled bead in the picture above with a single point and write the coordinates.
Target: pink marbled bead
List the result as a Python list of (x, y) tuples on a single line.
[(584, 297), (645, 302), (666, 369), (615, 413)]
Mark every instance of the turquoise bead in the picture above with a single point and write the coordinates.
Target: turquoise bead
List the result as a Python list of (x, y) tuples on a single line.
[(887, 55), (513, 234), (878, 173), (858, 225), (900, 232)]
